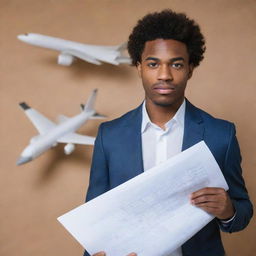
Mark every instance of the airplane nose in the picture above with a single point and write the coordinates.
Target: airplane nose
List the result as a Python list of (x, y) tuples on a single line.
[(22, 37), (23, 160)]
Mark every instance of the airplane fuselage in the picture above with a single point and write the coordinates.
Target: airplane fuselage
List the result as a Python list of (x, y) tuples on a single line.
[(44, 142), (103, 53)]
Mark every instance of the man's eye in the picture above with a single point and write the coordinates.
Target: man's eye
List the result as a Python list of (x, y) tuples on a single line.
[(177, 65), (152, 64)]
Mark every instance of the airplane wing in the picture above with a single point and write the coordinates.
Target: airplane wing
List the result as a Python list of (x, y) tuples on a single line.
[(82, 56), (41, 123), (120, 47), (77, 139), (62, 119)]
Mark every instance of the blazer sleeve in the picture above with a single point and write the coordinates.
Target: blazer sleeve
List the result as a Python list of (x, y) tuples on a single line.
[(99, 178), (237, 190), (99, 181)]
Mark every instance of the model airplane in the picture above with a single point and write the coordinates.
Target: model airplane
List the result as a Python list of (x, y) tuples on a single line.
[(70, 50), (50, 133)]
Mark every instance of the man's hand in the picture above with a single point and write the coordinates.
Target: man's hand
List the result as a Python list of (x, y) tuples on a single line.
[(104, 254), (215, 201)]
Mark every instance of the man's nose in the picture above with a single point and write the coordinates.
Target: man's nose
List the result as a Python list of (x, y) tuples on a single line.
[(165, 73)]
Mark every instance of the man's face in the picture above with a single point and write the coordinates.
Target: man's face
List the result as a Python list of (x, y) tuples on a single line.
[(165, 70)]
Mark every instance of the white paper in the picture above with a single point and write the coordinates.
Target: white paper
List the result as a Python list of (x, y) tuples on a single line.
[(150, 214)]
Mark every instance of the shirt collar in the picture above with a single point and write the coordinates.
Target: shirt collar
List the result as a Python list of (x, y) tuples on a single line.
[(179, 117)]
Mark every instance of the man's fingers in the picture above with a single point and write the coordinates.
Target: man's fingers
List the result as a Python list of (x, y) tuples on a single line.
[(218, 199), (206, 191), (214, 201), (132, 254), (208, 204), (204, 199)]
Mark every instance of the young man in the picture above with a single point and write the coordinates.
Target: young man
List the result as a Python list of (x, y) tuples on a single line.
[(165, 47)]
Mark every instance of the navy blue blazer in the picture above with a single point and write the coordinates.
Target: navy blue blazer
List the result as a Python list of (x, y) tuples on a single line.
[(117, 158)]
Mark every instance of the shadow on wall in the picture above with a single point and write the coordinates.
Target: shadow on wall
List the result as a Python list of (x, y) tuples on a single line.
[(56, 156)]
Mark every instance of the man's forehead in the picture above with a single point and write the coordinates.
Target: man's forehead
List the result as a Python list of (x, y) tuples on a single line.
[(163, 47)]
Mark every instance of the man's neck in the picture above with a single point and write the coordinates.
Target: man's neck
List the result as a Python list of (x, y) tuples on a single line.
[(160, 115)]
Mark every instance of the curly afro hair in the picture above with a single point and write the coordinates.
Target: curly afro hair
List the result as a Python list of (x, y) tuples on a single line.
[(167, 25)]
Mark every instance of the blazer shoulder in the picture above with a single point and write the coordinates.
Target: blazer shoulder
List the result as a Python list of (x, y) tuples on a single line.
[(123, 120), (120, 130), (214, 122)]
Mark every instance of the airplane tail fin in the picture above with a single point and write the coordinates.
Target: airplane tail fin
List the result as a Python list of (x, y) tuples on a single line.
[(122, 58), (90, 102), (90, 105), (122, 46)]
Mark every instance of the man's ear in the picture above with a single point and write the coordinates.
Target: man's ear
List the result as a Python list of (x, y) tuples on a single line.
[(191, 69), (138, 66)]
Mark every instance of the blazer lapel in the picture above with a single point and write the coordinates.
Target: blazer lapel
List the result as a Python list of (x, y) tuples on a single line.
[(194, 128), (133, 138), (193, 133)]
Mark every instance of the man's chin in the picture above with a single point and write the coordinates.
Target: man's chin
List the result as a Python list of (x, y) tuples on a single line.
[(168, 103), (163, 104)]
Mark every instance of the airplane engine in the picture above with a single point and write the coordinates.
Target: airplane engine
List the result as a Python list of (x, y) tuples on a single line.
[(65, 59), (69, 148)]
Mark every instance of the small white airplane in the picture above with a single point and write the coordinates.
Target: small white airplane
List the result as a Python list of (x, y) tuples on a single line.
[(70, 50), (50, 134)]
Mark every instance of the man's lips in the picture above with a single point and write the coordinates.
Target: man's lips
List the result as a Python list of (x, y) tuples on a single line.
[(163, 89)]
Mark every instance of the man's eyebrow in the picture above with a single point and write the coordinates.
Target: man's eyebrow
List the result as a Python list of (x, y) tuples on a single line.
[(177, 58), (157, 59), (151, 58)]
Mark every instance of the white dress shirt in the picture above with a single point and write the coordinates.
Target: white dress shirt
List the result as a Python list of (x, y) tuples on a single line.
[(158, 145)]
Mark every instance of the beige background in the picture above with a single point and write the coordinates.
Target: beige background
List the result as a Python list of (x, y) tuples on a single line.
[(34, 195)]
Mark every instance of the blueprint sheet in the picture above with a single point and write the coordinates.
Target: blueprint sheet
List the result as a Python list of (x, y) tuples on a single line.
[(150, 214)]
